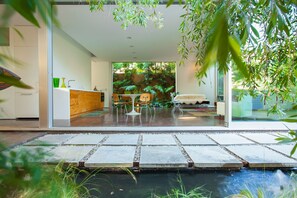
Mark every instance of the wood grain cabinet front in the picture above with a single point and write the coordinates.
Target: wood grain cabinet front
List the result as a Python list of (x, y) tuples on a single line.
[(84, 101)]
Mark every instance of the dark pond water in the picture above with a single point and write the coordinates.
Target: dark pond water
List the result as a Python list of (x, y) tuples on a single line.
[(219, 183)]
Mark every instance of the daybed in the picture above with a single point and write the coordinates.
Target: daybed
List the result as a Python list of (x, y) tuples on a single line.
[(189, 100)]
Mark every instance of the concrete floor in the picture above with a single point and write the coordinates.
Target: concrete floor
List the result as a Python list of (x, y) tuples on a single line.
[(143, 151)]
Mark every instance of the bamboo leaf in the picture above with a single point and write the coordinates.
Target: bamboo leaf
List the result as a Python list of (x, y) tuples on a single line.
[(289, 120), (293, 150), (169, 3), (14, 82), (236, 55), (26, 8), (255, 31)]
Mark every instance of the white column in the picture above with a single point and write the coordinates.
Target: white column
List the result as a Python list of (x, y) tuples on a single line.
[(228, 97), (45, 77)]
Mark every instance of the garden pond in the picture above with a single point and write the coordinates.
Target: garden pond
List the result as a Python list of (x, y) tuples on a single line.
[(218, 183)]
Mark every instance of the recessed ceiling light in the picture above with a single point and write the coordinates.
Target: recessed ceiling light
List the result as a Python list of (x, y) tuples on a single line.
[(129, 37), (131, 45)]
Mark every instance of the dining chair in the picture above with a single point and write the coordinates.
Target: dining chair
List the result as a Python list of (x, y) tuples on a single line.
[(145, 100), (119, 103)]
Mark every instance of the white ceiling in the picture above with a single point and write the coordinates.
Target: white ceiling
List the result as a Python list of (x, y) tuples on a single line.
[(104, 38)]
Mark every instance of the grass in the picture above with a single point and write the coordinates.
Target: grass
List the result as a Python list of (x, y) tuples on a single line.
[(181, 192), (21, 176)]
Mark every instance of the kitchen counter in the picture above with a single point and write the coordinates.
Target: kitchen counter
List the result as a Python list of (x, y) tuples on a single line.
[(70, 103)]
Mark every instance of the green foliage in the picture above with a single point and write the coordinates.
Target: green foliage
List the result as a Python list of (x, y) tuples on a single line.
[(150, 77), (181, 192), (129, 12), (256, 38), (13, 81), (291, 137), (22, 176), (29, 9)]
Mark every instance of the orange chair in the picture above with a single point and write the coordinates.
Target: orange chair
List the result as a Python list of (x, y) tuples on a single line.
[(118, 102), (145, 100)]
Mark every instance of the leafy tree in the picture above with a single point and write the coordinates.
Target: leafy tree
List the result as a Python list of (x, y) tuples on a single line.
[(256, 38)]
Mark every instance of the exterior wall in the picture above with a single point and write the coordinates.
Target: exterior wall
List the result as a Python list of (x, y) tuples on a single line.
[(102, 79), (70, 60), (188, 84)]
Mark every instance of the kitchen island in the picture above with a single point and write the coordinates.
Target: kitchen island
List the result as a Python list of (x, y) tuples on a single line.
[(70, 103)]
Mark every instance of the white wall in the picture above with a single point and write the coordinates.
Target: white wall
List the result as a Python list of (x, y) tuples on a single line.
[(188, 84), (25, 50), (102, 79), (70, 60)]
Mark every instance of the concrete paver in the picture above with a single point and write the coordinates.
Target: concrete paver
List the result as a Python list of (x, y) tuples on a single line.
[(195, 139), (290, 125), (160, 139), (122, 139), (112, 156), (212, 157), (284, 148), (51, 139), (263, 138), (256, 126), (86, 139), (162, 156), (69, 154), (259, 156), (161, 150), (229, 138)]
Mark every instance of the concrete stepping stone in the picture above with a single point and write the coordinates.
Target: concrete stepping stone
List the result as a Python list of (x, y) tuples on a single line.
[(290, 125), (158, 139), (69, 154), (262, 138), (194, 139), (86, 139), (259, 156), (284, 148), (122, 139), (161, 157), (35, 153), (51, 139), (112, 156), (212, 157), (256, 126), (229, 138)]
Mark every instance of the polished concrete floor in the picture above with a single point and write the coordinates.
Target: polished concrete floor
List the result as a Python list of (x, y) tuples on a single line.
[(118, 118), (157, 117)]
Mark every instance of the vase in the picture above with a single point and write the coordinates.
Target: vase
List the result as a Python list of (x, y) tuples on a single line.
[(63, 83)]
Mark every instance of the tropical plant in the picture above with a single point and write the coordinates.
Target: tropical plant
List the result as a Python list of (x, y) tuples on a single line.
[(21, 175), (155, 78)]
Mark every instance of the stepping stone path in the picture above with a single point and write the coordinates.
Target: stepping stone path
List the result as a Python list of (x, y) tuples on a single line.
[(165, 151)]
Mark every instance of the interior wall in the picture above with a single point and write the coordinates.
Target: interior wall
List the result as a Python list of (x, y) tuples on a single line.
[(102, 78), (188, 84), (18, 103), (71, 61)]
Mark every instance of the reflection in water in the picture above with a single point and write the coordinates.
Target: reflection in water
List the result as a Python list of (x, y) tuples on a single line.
[(270, 182), (220, 183)]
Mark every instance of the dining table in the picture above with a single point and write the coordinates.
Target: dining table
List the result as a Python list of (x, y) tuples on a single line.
[(132, 96)]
